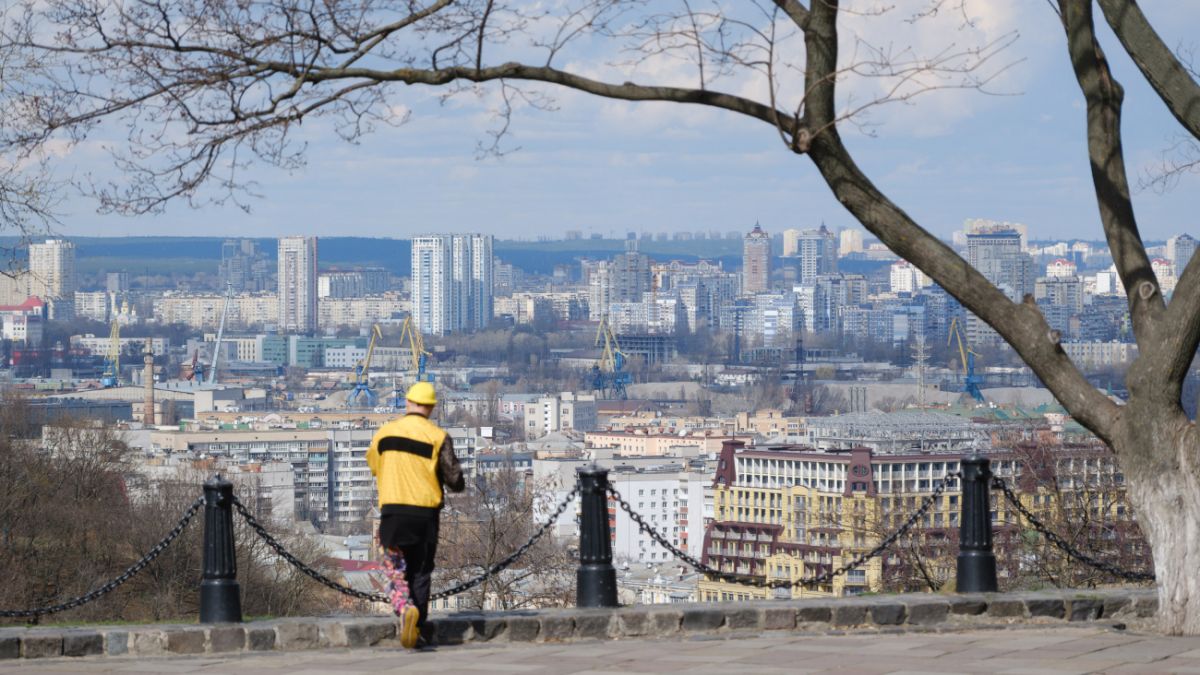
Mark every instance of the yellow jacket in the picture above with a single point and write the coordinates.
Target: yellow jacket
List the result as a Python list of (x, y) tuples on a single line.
[(403, 458)]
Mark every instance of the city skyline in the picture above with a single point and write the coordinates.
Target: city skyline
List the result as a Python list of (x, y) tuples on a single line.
[(603, 166)]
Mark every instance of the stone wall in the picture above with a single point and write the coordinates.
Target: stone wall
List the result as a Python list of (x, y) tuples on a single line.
[(880, 613)]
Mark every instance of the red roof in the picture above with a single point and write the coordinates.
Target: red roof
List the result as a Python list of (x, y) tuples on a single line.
[(31, 302), (357, 565)]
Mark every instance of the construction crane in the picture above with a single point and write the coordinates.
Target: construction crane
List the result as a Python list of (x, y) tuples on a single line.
[(212, 371), (410, 335), (362, 380), (112, 360), (416, 347), (971, 381), (609, 378), (197, 369)]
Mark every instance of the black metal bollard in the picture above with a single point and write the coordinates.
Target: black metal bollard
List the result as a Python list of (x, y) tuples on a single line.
[(596, 580), (976, 562), (220, 595)]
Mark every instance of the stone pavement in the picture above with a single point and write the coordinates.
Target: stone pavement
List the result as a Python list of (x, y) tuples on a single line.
[(1028, 649)]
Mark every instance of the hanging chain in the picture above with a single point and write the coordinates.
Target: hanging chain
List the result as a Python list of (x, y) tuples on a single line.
[(824, 577), (1063, 544), (496, 568), (296, 562), (512, 557), (128, 574)]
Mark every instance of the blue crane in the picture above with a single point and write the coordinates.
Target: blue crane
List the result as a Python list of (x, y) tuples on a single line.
[(362, 380), (971, 381)]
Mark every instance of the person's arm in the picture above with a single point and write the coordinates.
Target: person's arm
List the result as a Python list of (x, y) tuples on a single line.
[(448, 470), (373, 454)]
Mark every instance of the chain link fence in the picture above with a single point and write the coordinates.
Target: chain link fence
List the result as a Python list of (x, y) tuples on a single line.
[(764, 582), (132, 571), (1062, 544)]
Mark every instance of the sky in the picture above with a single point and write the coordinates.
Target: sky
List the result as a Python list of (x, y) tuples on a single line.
[(609, 167)]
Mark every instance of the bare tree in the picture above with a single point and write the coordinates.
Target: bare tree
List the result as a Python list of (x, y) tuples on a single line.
[(206, 87), (486, 524)]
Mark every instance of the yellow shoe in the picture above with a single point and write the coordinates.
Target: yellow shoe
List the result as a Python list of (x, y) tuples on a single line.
[(408, 627)]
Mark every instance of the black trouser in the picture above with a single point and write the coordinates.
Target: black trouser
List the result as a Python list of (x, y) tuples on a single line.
[(415, 532)]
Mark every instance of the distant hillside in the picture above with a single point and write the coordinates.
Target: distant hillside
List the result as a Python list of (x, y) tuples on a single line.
[(159, 255)]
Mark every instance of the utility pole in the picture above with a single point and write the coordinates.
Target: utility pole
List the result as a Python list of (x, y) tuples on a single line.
[(920, 358)]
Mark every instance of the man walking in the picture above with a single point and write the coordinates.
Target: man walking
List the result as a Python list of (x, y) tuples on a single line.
[(412, 459)]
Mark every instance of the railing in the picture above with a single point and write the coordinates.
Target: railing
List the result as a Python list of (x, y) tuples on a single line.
[(595, 576)]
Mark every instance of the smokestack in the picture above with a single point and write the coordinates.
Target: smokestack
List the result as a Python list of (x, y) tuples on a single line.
[(148, 382)]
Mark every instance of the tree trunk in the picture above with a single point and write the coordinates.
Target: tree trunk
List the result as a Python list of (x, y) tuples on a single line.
[(1164, 488)]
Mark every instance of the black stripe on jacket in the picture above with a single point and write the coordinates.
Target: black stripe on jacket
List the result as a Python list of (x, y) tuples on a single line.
[(410, 445)]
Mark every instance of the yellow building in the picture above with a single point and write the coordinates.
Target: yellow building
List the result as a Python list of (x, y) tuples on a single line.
[(792, 513)]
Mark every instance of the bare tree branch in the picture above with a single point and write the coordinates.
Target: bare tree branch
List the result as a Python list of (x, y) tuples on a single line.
[(1022, 325), (1170, 79)]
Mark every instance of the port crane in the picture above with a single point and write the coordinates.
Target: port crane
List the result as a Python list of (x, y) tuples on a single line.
[(362, 380), (196, 372), (410, 335), (971, 381), (609, 378), (112, 360), (212, 370)]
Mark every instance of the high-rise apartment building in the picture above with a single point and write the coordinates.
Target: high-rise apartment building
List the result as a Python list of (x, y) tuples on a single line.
[(52, 269), (117, 282), (997, 252), (998, 255), (298, 284), (624, 279), (452, 282), (756, 261), (850, 241), (242, 266), (904, 277), (816, 254), (791, 242), (1180, 250)]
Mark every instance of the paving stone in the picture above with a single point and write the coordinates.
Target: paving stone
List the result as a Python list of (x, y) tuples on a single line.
[(488, 627), (849, 615), (665, 622), (928, 613), (226, 638), (260, 638), (967, 605), (185, 641), (1116, 604), (297, 635), (82, 643), (888, 614), (10, 647), (702, 619), (779, 618), (1002, 607), (116, 642), (743, 619), (814, 614), (1146, 606), (452, 630), (1085, 609), (595, 626), (147, 642), (523, 628), (556, 628), (633, 622), (41, 645), (331, 633), (1051, 607)]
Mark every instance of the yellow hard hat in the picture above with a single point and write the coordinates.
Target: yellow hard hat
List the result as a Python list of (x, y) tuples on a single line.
[(422, 393)]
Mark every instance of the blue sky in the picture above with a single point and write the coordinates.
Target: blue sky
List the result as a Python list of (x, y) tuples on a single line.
[(607, 167)]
